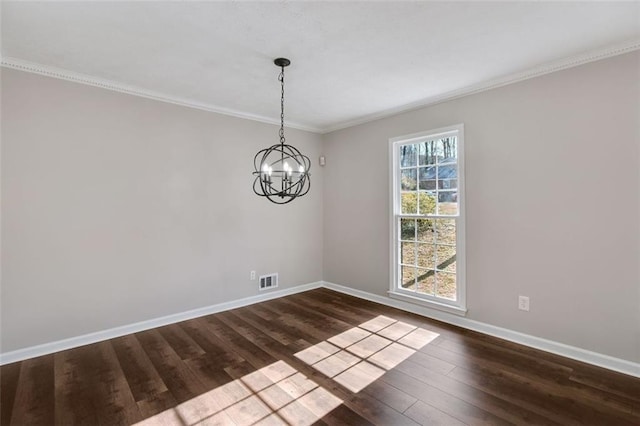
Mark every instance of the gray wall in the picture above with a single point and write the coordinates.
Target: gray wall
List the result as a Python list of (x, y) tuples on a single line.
[(118, 209), (552, 203)]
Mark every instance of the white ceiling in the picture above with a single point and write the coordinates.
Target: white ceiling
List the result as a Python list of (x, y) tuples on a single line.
[(351, 61)]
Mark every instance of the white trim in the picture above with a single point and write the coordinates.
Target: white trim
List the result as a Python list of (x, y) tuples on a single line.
[(430, 135), (98, 336), (432, 304), (579, 354), (594, 358), (49, 71), (559, 65)]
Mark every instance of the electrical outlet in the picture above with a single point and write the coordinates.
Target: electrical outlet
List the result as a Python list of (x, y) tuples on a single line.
[(252, 276), (523, 303)]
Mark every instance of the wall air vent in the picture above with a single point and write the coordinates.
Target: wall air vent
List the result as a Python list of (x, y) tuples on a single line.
[(268, 281)]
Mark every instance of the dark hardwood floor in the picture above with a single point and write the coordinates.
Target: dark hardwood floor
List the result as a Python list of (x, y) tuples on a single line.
[(317, 357)]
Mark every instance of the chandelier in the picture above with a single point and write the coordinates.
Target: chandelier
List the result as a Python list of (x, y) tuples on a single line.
[(281, 171)]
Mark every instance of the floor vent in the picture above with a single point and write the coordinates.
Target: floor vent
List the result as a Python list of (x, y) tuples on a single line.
[(268, 281)]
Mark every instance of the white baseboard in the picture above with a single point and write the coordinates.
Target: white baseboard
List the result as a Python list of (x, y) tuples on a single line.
[(590, 357), (86, 339), (594, 358)]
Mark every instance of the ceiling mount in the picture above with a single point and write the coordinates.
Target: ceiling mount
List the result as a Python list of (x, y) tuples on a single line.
[(282, 62)]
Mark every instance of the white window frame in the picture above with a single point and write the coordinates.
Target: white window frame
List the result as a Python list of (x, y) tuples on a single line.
[(458, 306)]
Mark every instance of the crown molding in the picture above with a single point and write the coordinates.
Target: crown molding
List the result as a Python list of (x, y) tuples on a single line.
[(550, 67), (49, 71)]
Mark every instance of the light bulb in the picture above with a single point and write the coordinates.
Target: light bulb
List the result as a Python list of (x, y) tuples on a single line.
[(265, 168), (286, 166), (270, 169), (301, 169)]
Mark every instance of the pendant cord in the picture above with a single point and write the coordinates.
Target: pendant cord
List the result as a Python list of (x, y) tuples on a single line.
[(281, 78)]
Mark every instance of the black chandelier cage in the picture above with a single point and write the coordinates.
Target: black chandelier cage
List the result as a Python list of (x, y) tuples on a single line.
[(281, 171)]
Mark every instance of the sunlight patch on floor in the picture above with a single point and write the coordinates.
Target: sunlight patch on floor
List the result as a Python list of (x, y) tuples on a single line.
[(274, 395), (278, 394), (359, 356)]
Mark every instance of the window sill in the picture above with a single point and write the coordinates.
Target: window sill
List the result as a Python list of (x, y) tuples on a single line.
[(456, 310)]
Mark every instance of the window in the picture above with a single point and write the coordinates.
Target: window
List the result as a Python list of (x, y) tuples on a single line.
[(427, 184)]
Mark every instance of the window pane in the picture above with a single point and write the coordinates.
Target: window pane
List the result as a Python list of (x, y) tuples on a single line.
[(446, 196), (409, 203), (409, 180), (449, 150), (428, 184), (422, 152), (446, 285), (426, 281), (438, 150), (408, 155), (446, 231), (408, 253), (408, 277), (449, 171), (427, 152), (426, 230), (427, 256), (408, 229), (427, 203), (446, 184), (427, 176), (448, 202), (446, 260)]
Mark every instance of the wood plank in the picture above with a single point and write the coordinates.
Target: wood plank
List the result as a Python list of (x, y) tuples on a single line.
[(264, 311), (435, 364), (91, 387), (597, 377), (9, 375), (142, 377), (456, 398), (539, 398), (607, 381), (392, 396), (425, 414), (489, 361), (344, 415), (200, 331), (296, 324), (211, 372), (309, 319), (246, 348), (180, 341), (347, 313), (446, 402), (156, 404), (480, 351), (179, 378), (34, 398), (277, 329)]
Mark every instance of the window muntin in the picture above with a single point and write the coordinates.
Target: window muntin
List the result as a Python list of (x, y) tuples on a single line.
[(427, 220)]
